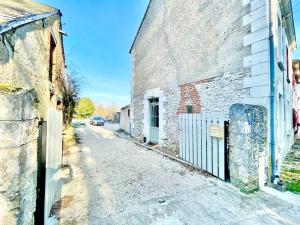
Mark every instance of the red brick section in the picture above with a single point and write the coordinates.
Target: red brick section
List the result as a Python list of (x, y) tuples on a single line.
[(189, 96)]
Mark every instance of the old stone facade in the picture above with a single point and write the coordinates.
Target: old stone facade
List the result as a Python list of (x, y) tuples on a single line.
[(18, 158), (31, 69), (192, 69), (205, 56), (25, 59)]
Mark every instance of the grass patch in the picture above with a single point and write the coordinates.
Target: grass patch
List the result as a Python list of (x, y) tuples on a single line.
[(69, 137), (291, 170)]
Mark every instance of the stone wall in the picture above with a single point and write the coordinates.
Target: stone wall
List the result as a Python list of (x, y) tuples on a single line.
[(24, 59), (195, 57), (18, 156), (248, 146)]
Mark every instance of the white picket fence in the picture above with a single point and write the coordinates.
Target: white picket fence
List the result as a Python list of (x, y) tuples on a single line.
[(202, 142), (53, 161)]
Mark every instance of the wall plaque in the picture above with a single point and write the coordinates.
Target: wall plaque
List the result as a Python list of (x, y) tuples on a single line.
[(216, 131)]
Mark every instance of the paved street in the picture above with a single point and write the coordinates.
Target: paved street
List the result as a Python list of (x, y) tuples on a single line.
[(114, 181)]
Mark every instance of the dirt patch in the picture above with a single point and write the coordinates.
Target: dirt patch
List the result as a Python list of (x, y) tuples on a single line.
[(63, 203)]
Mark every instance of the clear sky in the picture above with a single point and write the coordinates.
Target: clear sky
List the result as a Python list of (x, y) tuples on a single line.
[(296, 8), (100, 34)]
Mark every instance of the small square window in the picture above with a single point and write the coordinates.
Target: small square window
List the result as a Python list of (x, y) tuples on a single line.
[(189, 109)]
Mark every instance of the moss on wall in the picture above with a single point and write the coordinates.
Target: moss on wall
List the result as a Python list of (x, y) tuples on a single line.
[(8, 89)]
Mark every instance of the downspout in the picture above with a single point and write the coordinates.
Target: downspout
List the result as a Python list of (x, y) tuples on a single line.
[(274, 177)]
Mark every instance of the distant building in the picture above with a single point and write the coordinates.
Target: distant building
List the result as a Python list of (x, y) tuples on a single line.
[(116, 117), (125, 123)]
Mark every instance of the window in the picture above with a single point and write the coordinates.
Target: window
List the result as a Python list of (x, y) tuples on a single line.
[(154, 103), (189, 109), (128, 112)]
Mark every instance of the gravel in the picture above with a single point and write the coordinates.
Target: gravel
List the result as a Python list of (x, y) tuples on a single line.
[(114, 181)]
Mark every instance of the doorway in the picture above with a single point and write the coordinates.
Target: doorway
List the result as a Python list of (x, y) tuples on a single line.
[(154, 123)]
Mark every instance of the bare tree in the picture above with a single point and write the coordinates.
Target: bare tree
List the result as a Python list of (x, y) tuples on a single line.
[(70, 86)]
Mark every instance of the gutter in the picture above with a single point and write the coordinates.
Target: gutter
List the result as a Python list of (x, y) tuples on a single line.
[(274, 177), (25, 20)]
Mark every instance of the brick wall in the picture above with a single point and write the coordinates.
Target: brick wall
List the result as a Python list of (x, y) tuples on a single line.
[(189, 96)]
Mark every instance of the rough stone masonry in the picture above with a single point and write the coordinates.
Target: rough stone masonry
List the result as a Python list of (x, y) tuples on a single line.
[(18, 156), (248, 142)]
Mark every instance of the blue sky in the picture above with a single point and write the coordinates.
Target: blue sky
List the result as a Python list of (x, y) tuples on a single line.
[(100, 33), (296, 7)]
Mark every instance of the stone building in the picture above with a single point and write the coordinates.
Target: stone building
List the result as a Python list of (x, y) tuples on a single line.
[(31, 70), (205, 56)]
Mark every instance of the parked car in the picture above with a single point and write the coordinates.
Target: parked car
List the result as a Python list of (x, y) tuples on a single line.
[(97, 121)]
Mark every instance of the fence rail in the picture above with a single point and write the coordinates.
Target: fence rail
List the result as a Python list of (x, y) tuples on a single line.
[(202, 142)]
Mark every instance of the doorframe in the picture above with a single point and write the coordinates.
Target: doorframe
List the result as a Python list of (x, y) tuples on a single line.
[(150, 94)]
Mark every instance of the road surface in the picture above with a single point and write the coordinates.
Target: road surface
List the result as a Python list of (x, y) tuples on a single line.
[(114, 181)]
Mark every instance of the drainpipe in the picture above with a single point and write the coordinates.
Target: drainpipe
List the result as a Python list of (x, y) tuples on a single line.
[(275, 176)]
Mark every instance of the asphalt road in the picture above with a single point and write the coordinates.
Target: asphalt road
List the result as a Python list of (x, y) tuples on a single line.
[(114, 181)]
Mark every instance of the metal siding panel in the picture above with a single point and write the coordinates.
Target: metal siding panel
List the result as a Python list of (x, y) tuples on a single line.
[(53, 159)]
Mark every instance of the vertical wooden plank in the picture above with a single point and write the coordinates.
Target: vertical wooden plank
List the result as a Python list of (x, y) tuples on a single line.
[(180, 136), (199, 143), (221, 153), (195, 137), (190, 158), (204, 140), (209, 145), (185, 137), (215, 159)]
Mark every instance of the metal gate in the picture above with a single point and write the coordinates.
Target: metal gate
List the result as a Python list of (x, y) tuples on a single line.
[(50, 161), (53, 160), (202, 142)]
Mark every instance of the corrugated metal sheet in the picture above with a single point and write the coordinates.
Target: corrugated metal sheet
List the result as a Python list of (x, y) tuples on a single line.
[(12, 10)]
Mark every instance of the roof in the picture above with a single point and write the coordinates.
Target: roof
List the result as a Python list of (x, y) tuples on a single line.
[(140, 26), (15, 13), (125, 107), (287, 13)]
